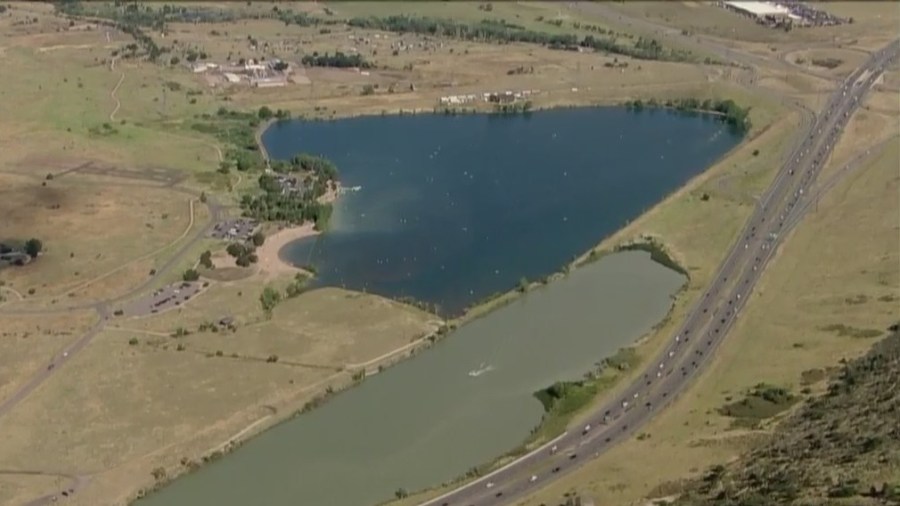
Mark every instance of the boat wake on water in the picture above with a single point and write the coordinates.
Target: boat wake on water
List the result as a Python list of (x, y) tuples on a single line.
[(474, 373)]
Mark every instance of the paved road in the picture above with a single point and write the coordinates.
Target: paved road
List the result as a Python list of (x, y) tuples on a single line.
[(103, 311), (707, 323)]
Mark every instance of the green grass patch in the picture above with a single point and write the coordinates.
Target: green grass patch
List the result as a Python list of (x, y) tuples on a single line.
[(563, 400), (854, 332), (657, 252), (760, 403)]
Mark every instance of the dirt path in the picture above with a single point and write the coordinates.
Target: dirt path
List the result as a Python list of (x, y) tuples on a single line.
[(77, 482), (12, 291), (105, 275), (112, 94)]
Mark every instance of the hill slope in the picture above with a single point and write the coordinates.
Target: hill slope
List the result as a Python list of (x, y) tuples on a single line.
[(842, 447)]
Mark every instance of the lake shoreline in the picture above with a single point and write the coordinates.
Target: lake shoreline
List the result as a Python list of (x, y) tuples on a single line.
[(607, 245)]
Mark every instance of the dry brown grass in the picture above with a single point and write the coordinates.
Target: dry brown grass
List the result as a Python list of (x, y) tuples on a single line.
[(114, 392), (828, 260), (19, 488), (28, 342), (88, 229)]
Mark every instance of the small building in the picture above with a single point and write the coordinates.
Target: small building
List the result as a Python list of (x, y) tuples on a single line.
[(232, 78)]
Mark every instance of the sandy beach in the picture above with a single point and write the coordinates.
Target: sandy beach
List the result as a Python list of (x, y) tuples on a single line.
[(268, 253)]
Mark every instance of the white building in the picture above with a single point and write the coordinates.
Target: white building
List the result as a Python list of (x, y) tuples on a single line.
[(758, 9)]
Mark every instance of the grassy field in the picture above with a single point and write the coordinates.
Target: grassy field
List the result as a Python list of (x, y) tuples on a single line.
[(197, 403), (871, 20), (27, 343), (19, 488), (831, 273), (87, 229)]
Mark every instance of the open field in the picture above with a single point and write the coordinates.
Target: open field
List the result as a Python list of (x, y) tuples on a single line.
[(831, 272), (19, 488), (190, 416), (872, 20), (27, 342), (87, 228)]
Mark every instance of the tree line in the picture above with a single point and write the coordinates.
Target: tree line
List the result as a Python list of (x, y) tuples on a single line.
[(276, 204), (730, 112), (338, 60), (504, 32)]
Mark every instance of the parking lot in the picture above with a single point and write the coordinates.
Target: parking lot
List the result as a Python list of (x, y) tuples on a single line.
[(163, 299), (238, 229)]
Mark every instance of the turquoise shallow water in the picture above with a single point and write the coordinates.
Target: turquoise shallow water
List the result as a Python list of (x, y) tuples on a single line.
[(454, 208)]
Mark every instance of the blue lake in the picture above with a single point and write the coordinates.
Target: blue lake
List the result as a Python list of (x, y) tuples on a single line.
[(452, 209)]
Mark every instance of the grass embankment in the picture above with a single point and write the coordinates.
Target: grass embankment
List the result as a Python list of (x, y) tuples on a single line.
[(564, 400)]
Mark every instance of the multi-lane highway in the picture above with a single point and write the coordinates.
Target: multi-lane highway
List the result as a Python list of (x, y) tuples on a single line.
[(777, 211)]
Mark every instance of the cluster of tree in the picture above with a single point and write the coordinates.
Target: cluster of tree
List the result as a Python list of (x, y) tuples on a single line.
[(484, 31), (126, 16), (244, 254), (513, 108), (190, 275), (503, 32), (297, 286), (206, 259), (237, 130), (520, 70), (266, 114), (268, 299), (319, 166), (338, 60), (33, 247), (643, 49), (273, 205), (736, 116)]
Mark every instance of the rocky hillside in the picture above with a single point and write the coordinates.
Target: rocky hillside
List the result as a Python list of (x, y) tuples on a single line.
[(840, 448)]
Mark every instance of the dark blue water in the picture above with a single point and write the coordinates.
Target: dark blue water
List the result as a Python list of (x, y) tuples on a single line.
[(455, 208)]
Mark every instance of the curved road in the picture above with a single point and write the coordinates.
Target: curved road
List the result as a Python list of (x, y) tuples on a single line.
[(103, 311), (707, 323)]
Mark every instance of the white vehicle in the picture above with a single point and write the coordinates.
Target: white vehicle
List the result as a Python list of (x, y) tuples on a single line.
[(677, 338), (65, 353), (636, 395), (490, 484), (739, 296), (746, 245), (587, 428), (624, 404), (661, 365), (659, 375), (553, 449), (533, 478), (671, 353)]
